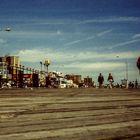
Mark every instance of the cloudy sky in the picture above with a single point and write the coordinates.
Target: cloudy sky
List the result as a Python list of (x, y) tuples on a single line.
[(78, 36)]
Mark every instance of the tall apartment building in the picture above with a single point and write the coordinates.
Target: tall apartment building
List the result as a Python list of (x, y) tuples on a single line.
[(10, 60), (8, 65)]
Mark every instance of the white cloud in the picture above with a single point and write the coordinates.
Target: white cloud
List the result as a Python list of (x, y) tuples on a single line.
[(136, 36), (95, 56), (112, 19), (81, 63), (33, 34), (95, 66), (72, 42), (47, 21), (104, 32), (3, 41), (59, 32), (35, 55), (88, 38), (124, 43)]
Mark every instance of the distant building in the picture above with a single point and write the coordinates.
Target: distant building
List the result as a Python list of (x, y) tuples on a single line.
[(75, 78), (8, 66), (88, 81), (10, 60)]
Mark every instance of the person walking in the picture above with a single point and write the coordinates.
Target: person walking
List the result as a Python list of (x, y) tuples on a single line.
[(100, 80), (110, 80), (136, 84)]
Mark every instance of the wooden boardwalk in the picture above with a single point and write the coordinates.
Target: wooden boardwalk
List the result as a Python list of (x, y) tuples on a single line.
[(70, 114)]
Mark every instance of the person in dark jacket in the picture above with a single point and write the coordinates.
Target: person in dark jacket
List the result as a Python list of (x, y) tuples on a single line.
[(100, 80), (110, 80)]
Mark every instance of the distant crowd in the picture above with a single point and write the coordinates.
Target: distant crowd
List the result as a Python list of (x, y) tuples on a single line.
[(51, 83), (110, 80)]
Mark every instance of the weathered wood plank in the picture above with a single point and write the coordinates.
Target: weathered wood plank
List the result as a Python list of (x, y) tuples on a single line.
[(68, 123), (86, 130), (69, 114)]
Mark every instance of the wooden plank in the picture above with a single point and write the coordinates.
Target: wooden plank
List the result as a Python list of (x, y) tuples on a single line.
[(69, 114), (132, 125)]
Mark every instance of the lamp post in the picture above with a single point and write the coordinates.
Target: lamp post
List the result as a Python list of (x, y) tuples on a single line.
[(7, 71), (23, 68), (33, 70), (16, 69), (126, 71), (30, 70), (41, 70), (27, 70), (41, 65)]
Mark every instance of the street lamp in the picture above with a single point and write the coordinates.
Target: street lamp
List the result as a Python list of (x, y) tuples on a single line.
[(126, 68), (126, 71), (30, 70), (41, 65), (16, 69), (23, 68)]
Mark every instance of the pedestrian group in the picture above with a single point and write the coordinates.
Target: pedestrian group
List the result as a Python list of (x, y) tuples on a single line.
[(109, 79)]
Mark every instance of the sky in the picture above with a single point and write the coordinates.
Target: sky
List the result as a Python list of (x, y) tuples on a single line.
[(85, 37)]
